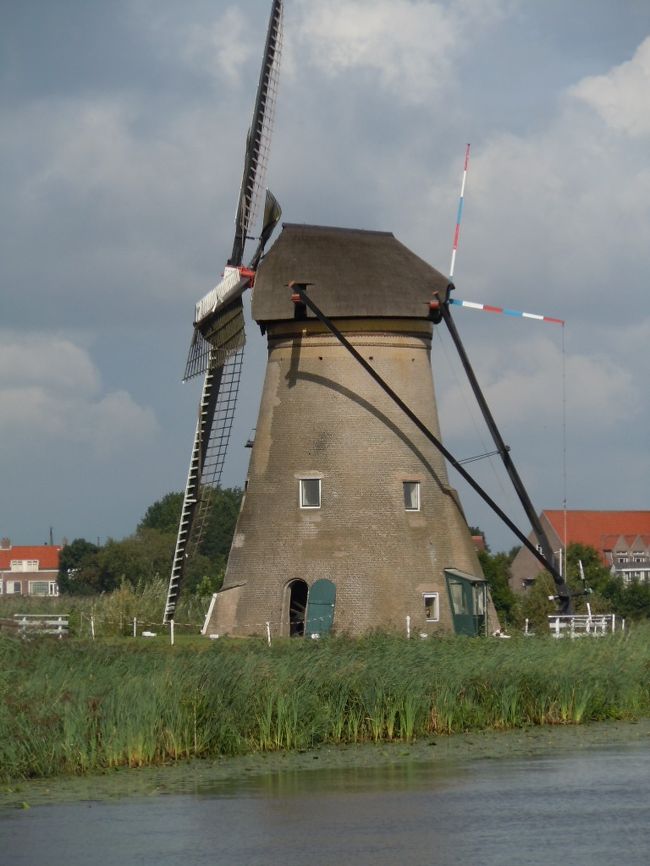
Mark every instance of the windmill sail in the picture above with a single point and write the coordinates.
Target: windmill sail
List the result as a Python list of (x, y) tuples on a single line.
[(218, 339)]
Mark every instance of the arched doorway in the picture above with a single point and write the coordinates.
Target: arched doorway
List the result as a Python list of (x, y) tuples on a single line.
[(298, 591)]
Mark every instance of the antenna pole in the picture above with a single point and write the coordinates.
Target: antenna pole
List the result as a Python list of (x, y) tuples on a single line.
[(459, 215)]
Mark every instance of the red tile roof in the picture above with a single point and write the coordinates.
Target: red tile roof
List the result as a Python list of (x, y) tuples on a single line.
[(599, 529), (47, 555)]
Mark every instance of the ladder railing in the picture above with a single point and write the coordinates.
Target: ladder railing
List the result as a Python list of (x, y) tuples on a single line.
[(213, 429)]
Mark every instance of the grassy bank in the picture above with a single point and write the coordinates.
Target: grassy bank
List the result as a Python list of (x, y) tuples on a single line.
[(75, 707)]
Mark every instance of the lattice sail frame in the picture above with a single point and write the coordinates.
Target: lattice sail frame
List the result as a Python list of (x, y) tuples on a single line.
[(218, 340)]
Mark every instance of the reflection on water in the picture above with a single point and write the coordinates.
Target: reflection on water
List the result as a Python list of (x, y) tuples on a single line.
[(585, 808)]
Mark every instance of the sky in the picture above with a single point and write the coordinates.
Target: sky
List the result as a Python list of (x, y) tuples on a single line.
[(122, 129)]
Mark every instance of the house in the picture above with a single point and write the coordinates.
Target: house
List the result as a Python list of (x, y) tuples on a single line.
[(622, 539), (29, 570)]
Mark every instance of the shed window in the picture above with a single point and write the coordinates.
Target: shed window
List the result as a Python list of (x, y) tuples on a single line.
[(412, 495), (431, 606), (310, 492)]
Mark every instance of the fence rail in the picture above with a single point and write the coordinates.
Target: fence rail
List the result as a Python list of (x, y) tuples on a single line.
[(33, 624), (581, 625)]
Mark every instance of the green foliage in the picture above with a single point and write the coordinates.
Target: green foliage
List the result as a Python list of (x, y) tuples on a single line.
[(77, 567), (220, 526), (496, 568), (76, 706), (147, 554), (536, 605), (597, 575), (164, 515)]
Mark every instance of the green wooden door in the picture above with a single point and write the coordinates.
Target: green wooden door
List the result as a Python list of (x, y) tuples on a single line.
[(320, 607), (467, 598)]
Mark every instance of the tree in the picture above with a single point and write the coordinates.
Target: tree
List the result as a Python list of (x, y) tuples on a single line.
[(220, 525), (537, 604), (596, 574), (164, 515), (496, 568), (78, 568)]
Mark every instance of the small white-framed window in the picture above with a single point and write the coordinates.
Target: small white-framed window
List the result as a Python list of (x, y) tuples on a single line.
[(310, 492), (14, 587), (431, 606), (411, 495), (24, 564), (39, 587)]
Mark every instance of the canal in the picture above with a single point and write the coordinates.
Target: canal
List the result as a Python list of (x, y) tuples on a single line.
[(574, 806)]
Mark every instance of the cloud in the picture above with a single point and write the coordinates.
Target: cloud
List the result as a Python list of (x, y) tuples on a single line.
[(220, 47), (50, 391), (48, 362), (522, 382), (104, 214), (621, 96), (408, 45)]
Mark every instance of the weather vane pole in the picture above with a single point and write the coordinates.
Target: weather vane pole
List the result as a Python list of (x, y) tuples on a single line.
[(459, 216)]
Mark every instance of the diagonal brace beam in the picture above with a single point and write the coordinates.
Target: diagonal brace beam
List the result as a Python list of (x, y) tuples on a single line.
[(300, 296)]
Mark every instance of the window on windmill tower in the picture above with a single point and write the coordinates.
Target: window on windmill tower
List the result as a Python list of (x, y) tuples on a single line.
[(412, 495), (310, 492), (431, 606)]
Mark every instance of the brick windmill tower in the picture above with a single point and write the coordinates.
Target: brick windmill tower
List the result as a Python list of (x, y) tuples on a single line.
[(348, 520)]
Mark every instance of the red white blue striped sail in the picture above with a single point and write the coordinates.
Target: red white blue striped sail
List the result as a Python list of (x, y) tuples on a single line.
[(487, 308)]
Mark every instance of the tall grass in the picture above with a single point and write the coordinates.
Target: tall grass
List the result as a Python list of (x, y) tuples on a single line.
[(76, 706)]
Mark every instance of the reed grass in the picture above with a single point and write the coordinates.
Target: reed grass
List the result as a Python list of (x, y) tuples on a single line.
[(79, 706)]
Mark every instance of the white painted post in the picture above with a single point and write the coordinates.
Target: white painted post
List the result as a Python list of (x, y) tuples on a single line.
[(268, 633), (408, 627), (135, 626), (92, 626), (171, 631), (526, 626)]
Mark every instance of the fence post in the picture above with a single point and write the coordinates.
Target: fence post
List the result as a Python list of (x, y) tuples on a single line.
[(92, 626), (135, 626), (171, 631), (268, 633), (408, 627)]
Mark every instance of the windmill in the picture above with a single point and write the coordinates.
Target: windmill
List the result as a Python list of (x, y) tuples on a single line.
[(348, 519), (216, 349)]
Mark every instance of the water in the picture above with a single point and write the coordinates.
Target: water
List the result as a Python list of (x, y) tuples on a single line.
[(589, 807)]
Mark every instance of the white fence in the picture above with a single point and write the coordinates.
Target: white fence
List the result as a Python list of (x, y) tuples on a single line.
[(581, 625), (32, 624)]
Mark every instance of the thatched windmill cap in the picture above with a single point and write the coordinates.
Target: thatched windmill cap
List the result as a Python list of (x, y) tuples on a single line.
[(354, 273)]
